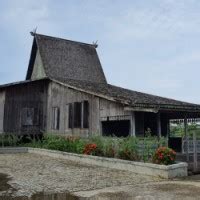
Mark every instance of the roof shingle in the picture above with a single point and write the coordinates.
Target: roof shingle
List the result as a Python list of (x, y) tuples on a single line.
[(68, 59), (129, 97), (77, 65)]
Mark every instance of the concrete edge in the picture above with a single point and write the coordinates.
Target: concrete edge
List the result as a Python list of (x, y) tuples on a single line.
[(6, 150), (163, 171), (150, 165)]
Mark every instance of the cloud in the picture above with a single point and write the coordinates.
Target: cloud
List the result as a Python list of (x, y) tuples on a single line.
[(19, 17), (151, 46), (161, 20), (26, 10), (170, 84)]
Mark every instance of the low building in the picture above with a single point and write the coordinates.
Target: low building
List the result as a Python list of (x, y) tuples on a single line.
[(66, 92)]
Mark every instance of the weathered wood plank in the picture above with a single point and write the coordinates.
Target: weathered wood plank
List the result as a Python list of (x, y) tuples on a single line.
[(19, 97), (2, 100)]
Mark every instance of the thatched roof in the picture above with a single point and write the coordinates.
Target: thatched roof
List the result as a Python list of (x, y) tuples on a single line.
[(120, 95), (67, 59), (129, 97), (76, 65)]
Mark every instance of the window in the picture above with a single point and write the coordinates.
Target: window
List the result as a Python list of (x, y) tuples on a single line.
[(78, 115), (70, 116), (85, 114), (55, 118), (29, 116)]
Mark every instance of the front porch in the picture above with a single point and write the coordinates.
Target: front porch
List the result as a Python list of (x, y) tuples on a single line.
[(143, 124)]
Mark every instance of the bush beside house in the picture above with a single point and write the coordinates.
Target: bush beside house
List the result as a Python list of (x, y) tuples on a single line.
[(149, 149)]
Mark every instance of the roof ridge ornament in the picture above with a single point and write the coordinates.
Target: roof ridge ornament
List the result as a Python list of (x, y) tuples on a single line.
[(33, 33), (95, 43)]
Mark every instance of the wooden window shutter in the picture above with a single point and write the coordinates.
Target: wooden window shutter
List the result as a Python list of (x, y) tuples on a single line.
[(70, 116), (58, 119), (85, 114), (77, 115)]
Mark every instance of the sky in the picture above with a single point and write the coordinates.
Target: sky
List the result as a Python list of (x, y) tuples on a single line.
[(149, 46)]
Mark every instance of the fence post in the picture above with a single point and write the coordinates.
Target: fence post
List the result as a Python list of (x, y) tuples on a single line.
[(194, 152), (187, 138)]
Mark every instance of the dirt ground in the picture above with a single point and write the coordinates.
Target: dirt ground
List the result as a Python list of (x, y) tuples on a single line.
[(24, 175), (151, 191)]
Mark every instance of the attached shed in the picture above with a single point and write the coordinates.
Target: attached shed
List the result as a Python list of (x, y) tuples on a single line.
[(24, 107)]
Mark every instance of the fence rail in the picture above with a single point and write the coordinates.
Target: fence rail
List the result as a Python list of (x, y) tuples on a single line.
[(191, 144)]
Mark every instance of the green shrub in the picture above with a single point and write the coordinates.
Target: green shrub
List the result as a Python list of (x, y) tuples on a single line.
[(61, 143), (79, 146), (106, 146), (148, 145), (54, 143), (110, 147), (10, 139), (99, 141), (128, 149), (164, 155)]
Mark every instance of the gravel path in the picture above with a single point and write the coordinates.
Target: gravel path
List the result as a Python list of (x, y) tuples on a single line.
[(51, 178), (31, 173)]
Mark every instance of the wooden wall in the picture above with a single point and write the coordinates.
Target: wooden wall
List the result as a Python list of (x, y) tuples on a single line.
[(44, 95), (109, 108), (18, 97), (115, 112), (2, 99), (38, 68), (60, 96), (99, 109)]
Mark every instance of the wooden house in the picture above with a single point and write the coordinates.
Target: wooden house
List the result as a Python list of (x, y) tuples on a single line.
[(66, 92)]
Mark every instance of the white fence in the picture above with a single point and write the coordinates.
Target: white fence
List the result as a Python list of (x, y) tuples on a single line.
[(191, 144)]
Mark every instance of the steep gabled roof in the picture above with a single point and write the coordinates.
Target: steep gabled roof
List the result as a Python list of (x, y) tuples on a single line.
[(67, 59), (77, 65)]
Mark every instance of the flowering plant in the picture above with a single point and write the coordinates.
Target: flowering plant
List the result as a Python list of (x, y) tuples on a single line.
[(72, 138), (127, 154), (164, 155), (89, 149)]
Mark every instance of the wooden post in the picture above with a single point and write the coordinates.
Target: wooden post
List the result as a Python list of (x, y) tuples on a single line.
[(159, 124), (168, 128), (187, 138), (194, 152), (168, 132), (2, 140), (133, 124)]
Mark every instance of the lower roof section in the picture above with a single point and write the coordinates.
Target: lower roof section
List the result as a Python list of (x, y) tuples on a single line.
[(130, 99)]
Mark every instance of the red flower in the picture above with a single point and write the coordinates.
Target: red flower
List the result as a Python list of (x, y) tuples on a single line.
[(164, 155), (89, 149)]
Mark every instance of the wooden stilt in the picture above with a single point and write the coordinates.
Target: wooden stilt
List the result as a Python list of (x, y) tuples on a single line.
[(159, 125)]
